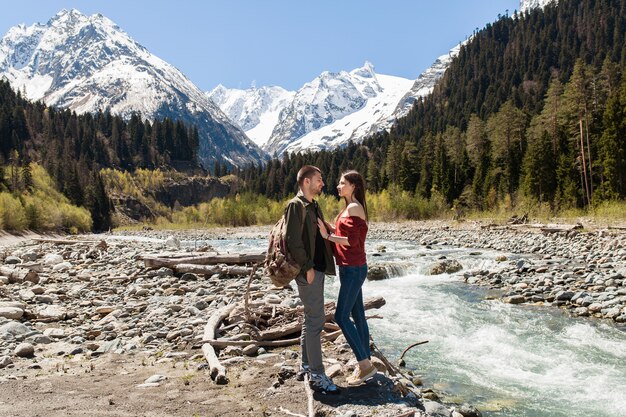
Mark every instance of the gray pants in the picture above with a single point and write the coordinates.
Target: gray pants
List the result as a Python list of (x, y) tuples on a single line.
[(312, 296)]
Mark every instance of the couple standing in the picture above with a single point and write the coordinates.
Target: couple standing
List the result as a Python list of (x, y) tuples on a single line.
[(311, 241)]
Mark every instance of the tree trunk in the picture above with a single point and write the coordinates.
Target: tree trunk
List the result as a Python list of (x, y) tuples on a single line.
[(169, 262)]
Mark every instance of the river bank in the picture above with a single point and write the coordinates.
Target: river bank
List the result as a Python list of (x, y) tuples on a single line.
[(92, 330), (101, 326)]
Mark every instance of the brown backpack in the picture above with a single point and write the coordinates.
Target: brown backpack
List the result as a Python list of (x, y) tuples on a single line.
[(279, 264)]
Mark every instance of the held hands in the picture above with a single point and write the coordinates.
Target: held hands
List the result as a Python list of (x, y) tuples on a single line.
[(310, 276)]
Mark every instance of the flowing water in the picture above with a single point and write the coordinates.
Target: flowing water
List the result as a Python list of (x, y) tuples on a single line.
[(507, 360)]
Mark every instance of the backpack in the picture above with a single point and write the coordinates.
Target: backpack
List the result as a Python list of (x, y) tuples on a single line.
[(279, 264)]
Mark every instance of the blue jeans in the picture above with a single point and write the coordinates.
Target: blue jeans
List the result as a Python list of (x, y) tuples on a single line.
[(350, 302)]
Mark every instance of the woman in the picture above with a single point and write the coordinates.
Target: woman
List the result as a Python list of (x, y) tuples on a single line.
[(348, 235)]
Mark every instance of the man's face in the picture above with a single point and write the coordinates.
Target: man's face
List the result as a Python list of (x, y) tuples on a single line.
[(315, 184)]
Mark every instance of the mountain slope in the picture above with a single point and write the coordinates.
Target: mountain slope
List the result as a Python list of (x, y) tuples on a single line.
[(255, 110), (325, 113), (87, 63)]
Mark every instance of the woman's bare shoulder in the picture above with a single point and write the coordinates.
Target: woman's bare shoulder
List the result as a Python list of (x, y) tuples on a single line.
[(355, 209)]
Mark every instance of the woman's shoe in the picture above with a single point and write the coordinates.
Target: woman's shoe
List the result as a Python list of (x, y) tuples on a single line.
[(357, 378)]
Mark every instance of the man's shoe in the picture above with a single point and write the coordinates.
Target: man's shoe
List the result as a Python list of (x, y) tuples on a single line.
[(304, 370), (360, 376), (322, 384)]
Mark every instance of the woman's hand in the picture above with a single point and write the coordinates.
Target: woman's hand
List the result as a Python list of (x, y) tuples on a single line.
[(322, 227)]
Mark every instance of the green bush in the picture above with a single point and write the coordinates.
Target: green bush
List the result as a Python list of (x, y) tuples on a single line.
[(12, 213)]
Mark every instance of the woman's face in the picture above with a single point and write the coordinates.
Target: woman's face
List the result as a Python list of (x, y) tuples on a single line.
[(345, 189)]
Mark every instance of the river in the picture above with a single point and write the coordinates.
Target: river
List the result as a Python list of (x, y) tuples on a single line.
[(507, 360)]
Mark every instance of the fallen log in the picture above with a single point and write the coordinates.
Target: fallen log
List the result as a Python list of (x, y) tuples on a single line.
[(617, 227), (19, 275), (64, 241), (222, 343), (234, 259), (294, 327), (212, 269), (218, 372)]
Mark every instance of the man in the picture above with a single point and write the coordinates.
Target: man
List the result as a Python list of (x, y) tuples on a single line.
[(314, 254)]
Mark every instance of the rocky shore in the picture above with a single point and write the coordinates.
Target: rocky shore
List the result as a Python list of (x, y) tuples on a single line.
[(87, 326), (566, 266)]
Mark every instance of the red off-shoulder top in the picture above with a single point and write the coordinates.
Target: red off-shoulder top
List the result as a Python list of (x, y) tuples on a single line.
[(355, 229)]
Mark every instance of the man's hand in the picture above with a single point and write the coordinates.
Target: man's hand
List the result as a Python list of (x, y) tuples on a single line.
[(310, 276)]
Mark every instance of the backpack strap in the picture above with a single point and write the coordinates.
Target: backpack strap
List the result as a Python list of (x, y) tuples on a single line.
[(298, 201)]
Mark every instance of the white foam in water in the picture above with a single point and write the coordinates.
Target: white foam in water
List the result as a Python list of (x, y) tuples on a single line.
[(537, 362)]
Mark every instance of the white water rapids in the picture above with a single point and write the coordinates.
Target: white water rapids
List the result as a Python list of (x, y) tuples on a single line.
[(507, 360)]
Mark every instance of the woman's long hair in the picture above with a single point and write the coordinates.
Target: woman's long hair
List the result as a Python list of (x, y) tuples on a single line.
[(356, 179)]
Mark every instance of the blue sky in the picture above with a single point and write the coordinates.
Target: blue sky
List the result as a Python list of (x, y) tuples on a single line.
[(282, 42)]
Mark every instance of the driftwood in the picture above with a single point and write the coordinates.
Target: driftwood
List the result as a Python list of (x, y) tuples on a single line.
[(218, 372), (19, 274), (410, 347), (617, 227), (65, 241), (169, 262), (296, 326), (221, 343), (212, 269)]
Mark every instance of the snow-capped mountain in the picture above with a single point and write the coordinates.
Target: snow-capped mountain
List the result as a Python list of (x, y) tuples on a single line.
[(87, 63), (527, 5), (333, 108), (255, 110), (325, 113)]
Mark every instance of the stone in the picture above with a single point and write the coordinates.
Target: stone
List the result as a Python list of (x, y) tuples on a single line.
[(515, 299), (273, 299), (468, 411), (154, 379), (172, 242), (52, 313), (436, 409), (377, 273), (44, 299), (12, 313), (5, 361), (54, 332), (250, 350), (14, 328), (379, 364), (26, 294), (52, 259), (63, 266), (564, 295), (165, 272), (104, 310), (334, 370), (12, 260), (38, 289), (24, 350), (447, 266)]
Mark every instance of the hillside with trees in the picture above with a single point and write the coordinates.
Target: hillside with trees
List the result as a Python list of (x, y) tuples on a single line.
[(530, 114), (68, 151)]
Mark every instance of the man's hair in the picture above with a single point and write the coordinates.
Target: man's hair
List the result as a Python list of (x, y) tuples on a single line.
[(307, 171)]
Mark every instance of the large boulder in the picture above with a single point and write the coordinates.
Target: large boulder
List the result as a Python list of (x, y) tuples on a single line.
[(446, 266)]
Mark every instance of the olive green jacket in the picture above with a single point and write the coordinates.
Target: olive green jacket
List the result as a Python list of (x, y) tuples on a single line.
[(301, 238)]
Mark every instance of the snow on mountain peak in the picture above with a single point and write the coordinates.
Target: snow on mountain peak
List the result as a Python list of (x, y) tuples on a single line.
[(366, 71), (527, 5), (87, 63)]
